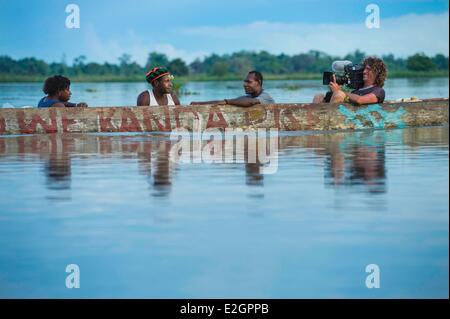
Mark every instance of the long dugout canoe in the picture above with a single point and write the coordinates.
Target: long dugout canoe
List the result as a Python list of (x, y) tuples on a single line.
[(284, 117)]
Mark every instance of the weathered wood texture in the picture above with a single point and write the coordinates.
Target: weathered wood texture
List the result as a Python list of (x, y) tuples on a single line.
[(285, 117)]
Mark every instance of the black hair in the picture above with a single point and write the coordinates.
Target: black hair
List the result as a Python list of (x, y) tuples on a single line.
[(55, 84), (258, 76)]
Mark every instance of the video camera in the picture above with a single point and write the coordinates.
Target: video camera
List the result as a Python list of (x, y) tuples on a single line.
[(348, 73)]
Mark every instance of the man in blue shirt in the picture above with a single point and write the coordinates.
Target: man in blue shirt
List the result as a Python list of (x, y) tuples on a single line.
[(58, 93)]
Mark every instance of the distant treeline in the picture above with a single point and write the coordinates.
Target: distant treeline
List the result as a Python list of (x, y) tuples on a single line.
[(213, 65)]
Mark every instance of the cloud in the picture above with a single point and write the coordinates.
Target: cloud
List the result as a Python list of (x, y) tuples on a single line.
[(401, 36), (100, 49), (173, 52)]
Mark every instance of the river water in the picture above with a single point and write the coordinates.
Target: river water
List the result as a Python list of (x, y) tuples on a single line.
[(293, 91), (139, 224)]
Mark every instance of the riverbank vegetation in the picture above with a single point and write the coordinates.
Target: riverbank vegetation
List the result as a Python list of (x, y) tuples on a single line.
[(214, 67)]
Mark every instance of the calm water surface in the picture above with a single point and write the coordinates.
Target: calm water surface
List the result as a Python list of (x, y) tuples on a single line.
[(294, 91), (140, 225)]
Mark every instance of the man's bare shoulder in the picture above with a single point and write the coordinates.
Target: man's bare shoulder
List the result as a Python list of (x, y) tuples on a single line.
[(143, 98)]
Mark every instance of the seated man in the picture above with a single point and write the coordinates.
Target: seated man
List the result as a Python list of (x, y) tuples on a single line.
[(372, 92), (254, 93), (58, 93), (161, 93)]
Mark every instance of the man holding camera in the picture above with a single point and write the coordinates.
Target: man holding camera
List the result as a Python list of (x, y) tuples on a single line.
[(372, 91)]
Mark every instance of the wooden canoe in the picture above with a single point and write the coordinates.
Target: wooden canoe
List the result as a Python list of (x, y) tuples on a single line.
[(284, 117)]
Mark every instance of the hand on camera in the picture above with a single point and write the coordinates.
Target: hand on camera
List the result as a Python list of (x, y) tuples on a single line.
[(334, 87)]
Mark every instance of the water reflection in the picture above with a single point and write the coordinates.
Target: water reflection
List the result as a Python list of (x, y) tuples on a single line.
[(58, 164), (349, 159), (253, 174), (253, 168), (357, 162), (368, 168), (162, 179), (158, 171)]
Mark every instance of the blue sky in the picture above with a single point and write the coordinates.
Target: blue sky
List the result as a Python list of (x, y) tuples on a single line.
[(194, 28)]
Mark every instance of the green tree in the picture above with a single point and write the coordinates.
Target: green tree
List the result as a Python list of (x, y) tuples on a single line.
[(156, 59), (420, 62), (80, 60), (266, 62), (440, 61), (58, 68), (78, 64), (7, 65), (302, 62), (178, 67), (128, 68), (220, 68), (32, 66), (124, 59), (240, 65), (196, 67), (393, 63), (356, 57)]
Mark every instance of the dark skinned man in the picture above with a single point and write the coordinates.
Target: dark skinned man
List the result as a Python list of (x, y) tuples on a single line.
[(254, 93), (58, 93), (162, 89)]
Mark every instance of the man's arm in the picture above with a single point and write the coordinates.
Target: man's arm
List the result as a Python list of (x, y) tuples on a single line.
[(217, 102), (81, 104), (59, 104), (362, 99), (175, 99), (243, 102), (354, 98), (143, 99)]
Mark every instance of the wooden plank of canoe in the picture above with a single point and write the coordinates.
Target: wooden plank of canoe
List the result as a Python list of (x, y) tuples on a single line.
[(284, 117)]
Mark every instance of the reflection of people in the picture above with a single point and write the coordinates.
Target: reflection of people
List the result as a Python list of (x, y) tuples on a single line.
[(58, 172), (58, 166), (58, 93), (254, 93), (162, 180), (253, 174), (162, 168), (367, 166), (374, 75), (336, 167), (161, 93)]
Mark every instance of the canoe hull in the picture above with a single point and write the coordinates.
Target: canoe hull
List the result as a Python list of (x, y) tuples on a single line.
[(284, 117)]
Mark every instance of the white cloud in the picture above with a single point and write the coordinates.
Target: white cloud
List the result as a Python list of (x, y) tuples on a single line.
[(100, 50), (173, 52), (401, 36)]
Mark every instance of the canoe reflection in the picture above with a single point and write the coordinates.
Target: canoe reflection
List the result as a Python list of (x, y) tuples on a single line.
[(348, 159)]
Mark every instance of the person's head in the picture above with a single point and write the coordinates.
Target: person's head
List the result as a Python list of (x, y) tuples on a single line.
[(161, 80), (375, 72), (58, 86), (253, 83)]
